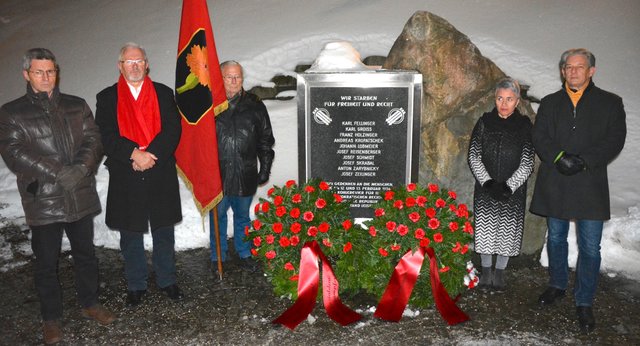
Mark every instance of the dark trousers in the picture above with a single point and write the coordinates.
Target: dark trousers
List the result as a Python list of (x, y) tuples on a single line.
[(45, 242), (135, 262)]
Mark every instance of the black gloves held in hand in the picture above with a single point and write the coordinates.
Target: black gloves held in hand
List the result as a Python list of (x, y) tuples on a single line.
[(263, 177), (570, 164), (70, 176), (497, 190)]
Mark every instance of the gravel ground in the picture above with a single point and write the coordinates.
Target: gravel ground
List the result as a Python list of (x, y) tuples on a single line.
[(239, 309)]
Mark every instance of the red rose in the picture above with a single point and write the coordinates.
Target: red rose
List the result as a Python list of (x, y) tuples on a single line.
[(284, 242), (379, 212), (452, 207), (467, 227), (277, 227), (309, 189), (410, 202), (372, 231), (457, 248), (323, 227), (278, 200), (434, 223), (433, 188), (462, 211), (297, 198), (383, 252), (388, 195), (281, 210), (295, 240), (419, 233), (323, 186), (294, 277), (424, 242), (444, 269), (453, 226), (395, 247), (257, 241), (290, 183), (312, 231), (465, 248), (415, 216), (440, 203), (254, 252), (295, 227), (431, 213), (294, 213), (391, 226), (270, 191), (270, 254), (326, 242), (257, 224), (246, 231), (421, 200), (320, 203), (347, 247), (398, 204), (270, 239), (346, 225), (289, 266), (452, 194), (411, 187), (403, 230), (256, 209), (438, 238), (307, 216), (337, 198)]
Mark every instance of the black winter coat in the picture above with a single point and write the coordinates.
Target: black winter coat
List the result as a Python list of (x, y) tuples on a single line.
[(244, 137), (38, 136), (137, 199), (595, 130)]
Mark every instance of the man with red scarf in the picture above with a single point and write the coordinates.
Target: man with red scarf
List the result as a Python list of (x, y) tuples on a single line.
[(140, 128)]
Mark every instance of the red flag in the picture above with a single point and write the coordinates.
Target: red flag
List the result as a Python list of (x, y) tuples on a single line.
[(200, 97)]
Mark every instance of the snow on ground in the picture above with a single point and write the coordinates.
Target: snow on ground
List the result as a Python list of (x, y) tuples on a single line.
[(270, 37)]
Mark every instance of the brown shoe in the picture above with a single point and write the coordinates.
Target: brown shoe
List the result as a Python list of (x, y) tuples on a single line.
[(99, 313), (51, 332)]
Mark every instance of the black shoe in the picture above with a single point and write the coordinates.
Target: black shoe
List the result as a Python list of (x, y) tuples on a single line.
[(550, 295), (134, 298), (173, 292), (249, 264), (585, 319)]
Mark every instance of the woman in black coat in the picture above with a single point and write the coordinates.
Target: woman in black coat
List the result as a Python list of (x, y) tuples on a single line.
[(501, 159)]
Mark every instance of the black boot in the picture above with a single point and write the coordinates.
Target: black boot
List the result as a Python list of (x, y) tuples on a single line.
[(585, 319), (550, 295), (499, 283), (485, 279)]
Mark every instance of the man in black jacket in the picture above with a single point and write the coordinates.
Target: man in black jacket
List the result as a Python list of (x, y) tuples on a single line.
[(578, 131), (244, 138), (50, 141), (140, 128)]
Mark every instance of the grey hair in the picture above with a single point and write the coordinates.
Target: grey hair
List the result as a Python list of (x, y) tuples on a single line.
[(130, 45), (231, 63), (509, 83), (591, 59), (37, 54)]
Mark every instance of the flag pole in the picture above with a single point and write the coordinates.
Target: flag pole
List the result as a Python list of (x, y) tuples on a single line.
[(217, 235)]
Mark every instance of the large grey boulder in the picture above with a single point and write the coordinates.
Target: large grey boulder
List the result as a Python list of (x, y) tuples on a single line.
[(458, 86)]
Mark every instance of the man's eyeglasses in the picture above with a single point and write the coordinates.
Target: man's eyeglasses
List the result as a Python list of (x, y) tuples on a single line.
[(131, 62), (230, 78), (41, 73)]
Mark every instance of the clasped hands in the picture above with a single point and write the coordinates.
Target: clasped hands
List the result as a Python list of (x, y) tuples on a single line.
[(497, 190), (142, 160), (569, 164)]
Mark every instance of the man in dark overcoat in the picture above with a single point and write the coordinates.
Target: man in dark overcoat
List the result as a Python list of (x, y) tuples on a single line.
[(140, 128), (578, 131)]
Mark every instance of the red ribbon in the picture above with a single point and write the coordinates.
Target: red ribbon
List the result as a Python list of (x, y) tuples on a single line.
[(404, 277), (308, 291)]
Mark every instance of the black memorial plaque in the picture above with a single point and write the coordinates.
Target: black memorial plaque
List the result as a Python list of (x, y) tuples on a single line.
[(359, 132)]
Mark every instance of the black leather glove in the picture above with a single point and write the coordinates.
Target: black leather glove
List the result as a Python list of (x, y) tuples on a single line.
[(570, 164), (263, 177), (70, 176), (503, 191)]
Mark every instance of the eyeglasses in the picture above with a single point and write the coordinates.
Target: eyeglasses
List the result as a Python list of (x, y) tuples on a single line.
[(230, 78), (133, 62), (41, 73)]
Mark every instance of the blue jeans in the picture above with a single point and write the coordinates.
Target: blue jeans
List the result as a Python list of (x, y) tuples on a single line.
[(240, 207), (588, 234), (135, 262), (45, 243)]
